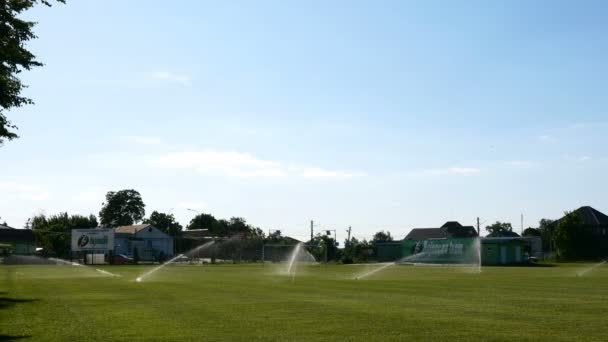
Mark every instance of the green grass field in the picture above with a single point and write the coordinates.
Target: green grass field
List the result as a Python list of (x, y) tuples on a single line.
[(251, 302)]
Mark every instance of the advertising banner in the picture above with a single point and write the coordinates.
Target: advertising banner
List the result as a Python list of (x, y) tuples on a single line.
[(92, 239)]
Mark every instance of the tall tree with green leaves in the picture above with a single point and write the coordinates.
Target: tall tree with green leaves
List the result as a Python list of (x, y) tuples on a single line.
[(383, 236), (122, 208), (14, 58), (202, 221), (572, 240), (501, 229), (164, 222), (53, 232), (545, 226)]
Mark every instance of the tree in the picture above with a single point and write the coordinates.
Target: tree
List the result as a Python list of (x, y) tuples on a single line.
[(164, 222), (531, 232), (572, 241), (202, 221), (122, 208), (383, 236), (545, 226), (53, 232), (501, 229), (328, 248), (14, 58)]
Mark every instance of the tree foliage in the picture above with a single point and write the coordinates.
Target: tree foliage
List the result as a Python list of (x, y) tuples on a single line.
[(327, 247), (383, 236), (14, 58), (53, 232), (572, 240), (122, 208), (545, 228), (164, 222), (501, 229), (356, 251), (223, 228), (202, 221), (531, 232)]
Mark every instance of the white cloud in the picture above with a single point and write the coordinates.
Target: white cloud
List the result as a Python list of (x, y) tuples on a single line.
[(92, 195), (524, 164), (229, 163), (318, 173), (464, 170), (547, 138), (170, 77), (238, 164), (582, 159), (23, 191), (454, 170), (141, 140)]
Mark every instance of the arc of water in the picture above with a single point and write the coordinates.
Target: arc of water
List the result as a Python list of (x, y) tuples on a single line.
[(589, 269), (375, 270), (292, 258), (71, 263), (159, 267)]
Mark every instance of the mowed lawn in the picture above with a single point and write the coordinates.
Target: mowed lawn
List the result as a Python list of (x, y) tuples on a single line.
[(251, 302)]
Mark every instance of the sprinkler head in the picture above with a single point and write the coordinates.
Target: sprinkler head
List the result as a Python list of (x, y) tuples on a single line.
[(138, 280)]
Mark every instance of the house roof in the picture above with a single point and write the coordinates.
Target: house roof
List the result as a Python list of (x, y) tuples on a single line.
[(5, 227), (589, 217), (131, 229), (425, 233), (448, 229), (450, 224)]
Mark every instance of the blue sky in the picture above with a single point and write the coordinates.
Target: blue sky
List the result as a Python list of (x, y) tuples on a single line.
[(379, 115)]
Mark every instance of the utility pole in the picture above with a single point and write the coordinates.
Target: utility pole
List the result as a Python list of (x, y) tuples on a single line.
[(312, 223), (522, 224), (349, 228), (478, 231)]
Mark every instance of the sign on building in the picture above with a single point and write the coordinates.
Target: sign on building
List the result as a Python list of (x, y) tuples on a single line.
[(92, 239)]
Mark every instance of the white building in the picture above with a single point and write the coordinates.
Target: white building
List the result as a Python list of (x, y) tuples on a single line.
[(150, 242)]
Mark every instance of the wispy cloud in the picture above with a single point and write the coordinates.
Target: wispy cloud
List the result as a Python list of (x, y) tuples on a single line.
[(23, 191), (318, 173), (244, 165), (546, 138), (171, 77), (577, 158), (454, 170), (141, 140), (523, 164), (90, 195), (464, 170)]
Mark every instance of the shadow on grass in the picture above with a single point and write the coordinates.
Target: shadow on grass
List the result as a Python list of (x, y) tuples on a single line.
[(6, 302), (12, 337)]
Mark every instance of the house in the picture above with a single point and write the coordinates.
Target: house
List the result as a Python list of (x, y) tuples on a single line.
[(595, 224), (150, 242), (21, 241), (450, 229)]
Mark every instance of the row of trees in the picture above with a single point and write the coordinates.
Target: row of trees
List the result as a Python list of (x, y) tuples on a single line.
[(126, 207)]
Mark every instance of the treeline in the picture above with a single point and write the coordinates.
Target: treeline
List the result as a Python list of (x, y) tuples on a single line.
[(241, 240)]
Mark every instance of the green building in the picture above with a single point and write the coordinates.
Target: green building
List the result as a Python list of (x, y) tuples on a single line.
[(453, 243), (21, 241), (503, 251)]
